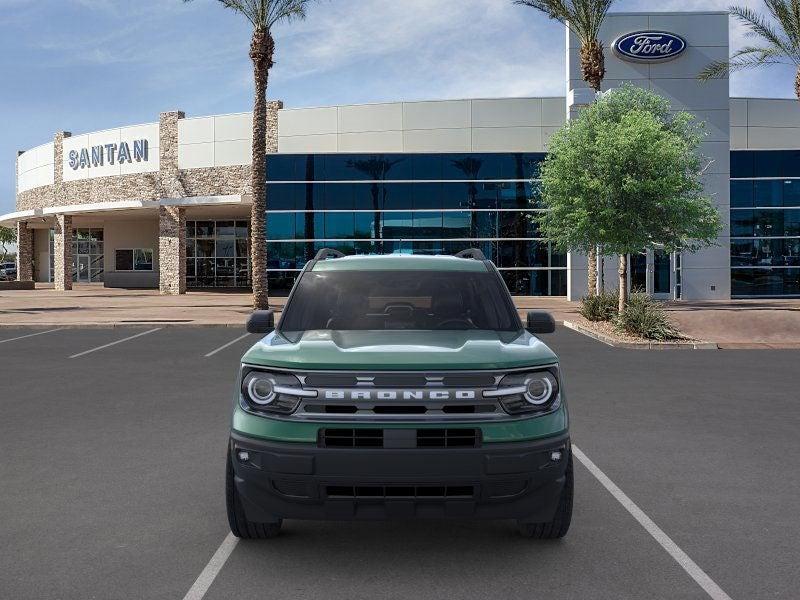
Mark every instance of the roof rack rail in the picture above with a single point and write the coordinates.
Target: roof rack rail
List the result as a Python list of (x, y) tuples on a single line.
[(471, 253), (328, 253)]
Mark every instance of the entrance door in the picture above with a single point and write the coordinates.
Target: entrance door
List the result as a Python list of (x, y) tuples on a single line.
[(662, 270), (83, 268), (638, 268)]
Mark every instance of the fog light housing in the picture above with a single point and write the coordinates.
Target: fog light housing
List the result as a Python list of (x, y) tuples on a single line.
[(243, 456), (555, 455)]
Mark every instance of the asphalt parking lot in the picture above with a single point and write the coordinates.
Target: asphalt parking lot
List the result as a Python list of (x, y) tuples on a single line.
[(112, 478)]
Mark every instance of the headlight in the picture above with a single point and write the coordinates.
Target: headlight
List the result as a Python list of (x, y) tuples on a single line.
[(271, 392), (532, 391)]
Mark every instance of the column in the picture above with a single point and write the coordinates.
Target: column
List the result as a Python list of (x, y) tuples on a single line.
[(62, 250), (24, 252), (171, 250)]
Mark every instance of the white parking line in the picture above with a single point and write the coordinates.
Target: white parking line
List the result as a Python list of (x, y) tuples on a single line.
[(115, 343), (231, 343), (214, 566), (22, 337), (688, 565)]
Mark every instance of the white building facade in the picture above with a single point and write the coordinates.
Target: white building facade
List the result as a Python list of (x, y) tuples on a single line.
[(167, 204)]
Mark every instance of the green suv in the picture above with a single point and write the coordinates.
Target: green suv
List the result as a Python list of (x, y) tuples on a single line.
[(399, 386)]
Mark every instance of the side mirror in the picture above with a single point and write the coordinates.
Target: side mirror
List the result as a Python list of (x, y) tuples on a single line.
[(540, 322), (261, 321)]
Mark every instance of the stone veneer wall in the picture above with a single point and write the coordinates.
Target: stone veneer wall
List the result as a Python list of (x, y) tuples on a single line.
[(62, 251), (169, 182), (24, 252), (172, 250)]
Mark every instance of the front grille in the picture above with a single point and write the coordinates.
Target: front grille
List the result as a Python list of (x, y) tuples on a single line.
[(351, 438), (399, 438), (433, 492), (448, 438)]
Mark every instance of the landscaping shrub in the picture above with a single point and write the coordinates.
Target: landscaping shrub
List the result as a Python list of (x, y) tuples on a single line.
[(601, 307), (644, 317)]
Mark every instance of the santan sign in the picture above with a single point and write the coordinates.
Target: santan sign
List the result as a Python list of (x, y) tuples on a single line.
[(649, 46), (97, 156)]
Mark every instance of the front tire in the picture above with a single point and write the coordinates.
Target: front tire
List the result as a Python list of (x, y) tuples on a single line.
[(558, 527), (241, 527)]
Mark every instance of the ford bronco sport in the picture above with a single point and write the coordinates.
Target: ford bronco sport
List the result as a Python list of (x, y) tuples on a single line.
[(399, 386)]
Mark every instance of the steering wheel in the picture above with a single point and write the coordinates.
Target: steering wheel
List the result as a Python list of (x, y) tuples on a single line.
[(469, 324)]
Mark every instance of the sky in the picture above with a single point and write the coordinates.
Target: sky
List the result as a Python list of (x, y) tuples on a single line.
[(86, 65)]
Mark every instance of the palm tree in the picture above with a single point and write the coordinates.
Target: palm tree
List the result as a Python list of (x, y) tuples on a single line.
[(263, 15), (584, 19), (779, 38)]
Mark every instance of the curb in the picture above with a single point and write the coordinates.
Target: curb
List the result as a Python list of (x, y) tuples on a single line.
[(640, 345), (115, 325)]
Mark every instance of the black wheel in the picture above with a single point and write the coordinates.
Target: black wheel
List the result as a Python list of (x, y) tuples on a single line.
[(240, 526), (558, 527)]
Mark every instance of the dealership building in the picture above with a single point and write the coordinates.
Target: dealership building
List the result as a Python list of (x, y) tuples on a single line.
[(167, 204)]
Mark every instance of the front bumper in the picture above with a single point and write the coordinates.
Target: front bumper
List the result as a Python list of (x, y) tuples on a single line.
[(516, 480)]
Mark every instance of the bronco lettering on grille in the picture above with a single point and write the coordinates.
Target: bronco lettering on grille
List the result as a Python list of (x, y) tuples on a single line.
[(399, 394)]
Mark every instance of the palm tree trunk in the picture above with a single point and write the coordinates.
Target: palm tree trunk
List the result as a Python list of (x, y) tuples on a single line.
[(261, 51), (593, 70), (797, 84), (623, 282)]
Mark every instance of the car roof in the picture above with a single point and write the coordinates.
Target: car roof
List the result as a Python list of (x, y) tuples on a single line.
[(400, 262)]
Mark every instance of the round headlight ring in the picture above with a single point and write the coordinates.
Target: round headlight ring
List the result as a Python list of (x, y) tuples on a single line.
[(538, 390), (261, 390)]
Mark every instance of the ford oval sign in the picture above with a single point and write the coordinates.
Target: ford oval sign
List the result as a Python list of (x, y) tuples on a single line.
[(649, 46)]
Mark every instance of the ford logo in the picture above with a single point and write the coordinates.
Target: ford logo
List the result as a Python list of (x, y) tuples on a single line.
[(649, 46)]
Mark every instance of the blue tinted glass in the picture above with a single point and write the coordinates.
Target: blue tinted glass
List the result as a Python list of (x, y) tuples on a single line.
[(742, 223), (791, 163), (458, 224), (528, 164), (791, 222), (741, 194), (485, 224), (484, 195), (372, 167), (768, 163), (283, 196), (280, 226), (456, 195), (514, 224), (339, 196), (310, 167), (742, 164), (398, 196), (398, 166), (367, 225), (768, 193), (791, 192), (768, 223), (557, 259), (339, 167), (339, 225), (367, 195), (367, 248), (558, 282), (281, 167), (426, 195), (281, 255), (515, 195), (397, 225), (427, 224), (426, 166)]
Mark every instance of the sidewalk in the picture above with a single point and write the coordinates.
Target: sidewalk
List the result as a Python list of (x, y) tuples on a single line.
[(735, 324)]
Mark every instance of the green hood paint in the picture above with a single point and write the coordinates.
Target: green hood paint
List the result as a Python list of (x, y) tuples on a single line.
[(401, 350)]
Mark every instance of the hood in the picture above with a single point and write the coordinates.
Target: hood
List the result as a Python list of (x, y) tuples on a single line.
[(400, 350)]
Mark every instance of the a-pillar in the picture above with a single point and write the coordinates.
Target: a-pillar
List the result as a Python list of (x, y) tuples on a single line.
[(171, 250), (62, 253), (24, 252)]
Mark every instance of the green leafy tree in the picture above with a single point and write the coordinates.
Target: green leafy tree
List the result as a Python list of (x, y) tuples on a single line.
[(584, 19), (778, 40), (626, 174), (263, 15), (8, 236)]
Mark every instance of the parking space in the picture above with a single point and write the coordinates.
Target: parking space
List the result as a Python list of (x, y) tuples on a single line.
[(112, 481)]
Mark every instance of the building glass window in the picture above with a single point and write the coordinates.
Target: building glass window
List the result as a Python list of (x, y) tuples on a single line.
[(218, 252), (404, 203), (765, 223)]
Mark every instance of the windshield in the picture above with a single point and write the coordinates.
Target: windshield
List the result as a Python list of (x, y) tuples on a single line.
[(392, 300)]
